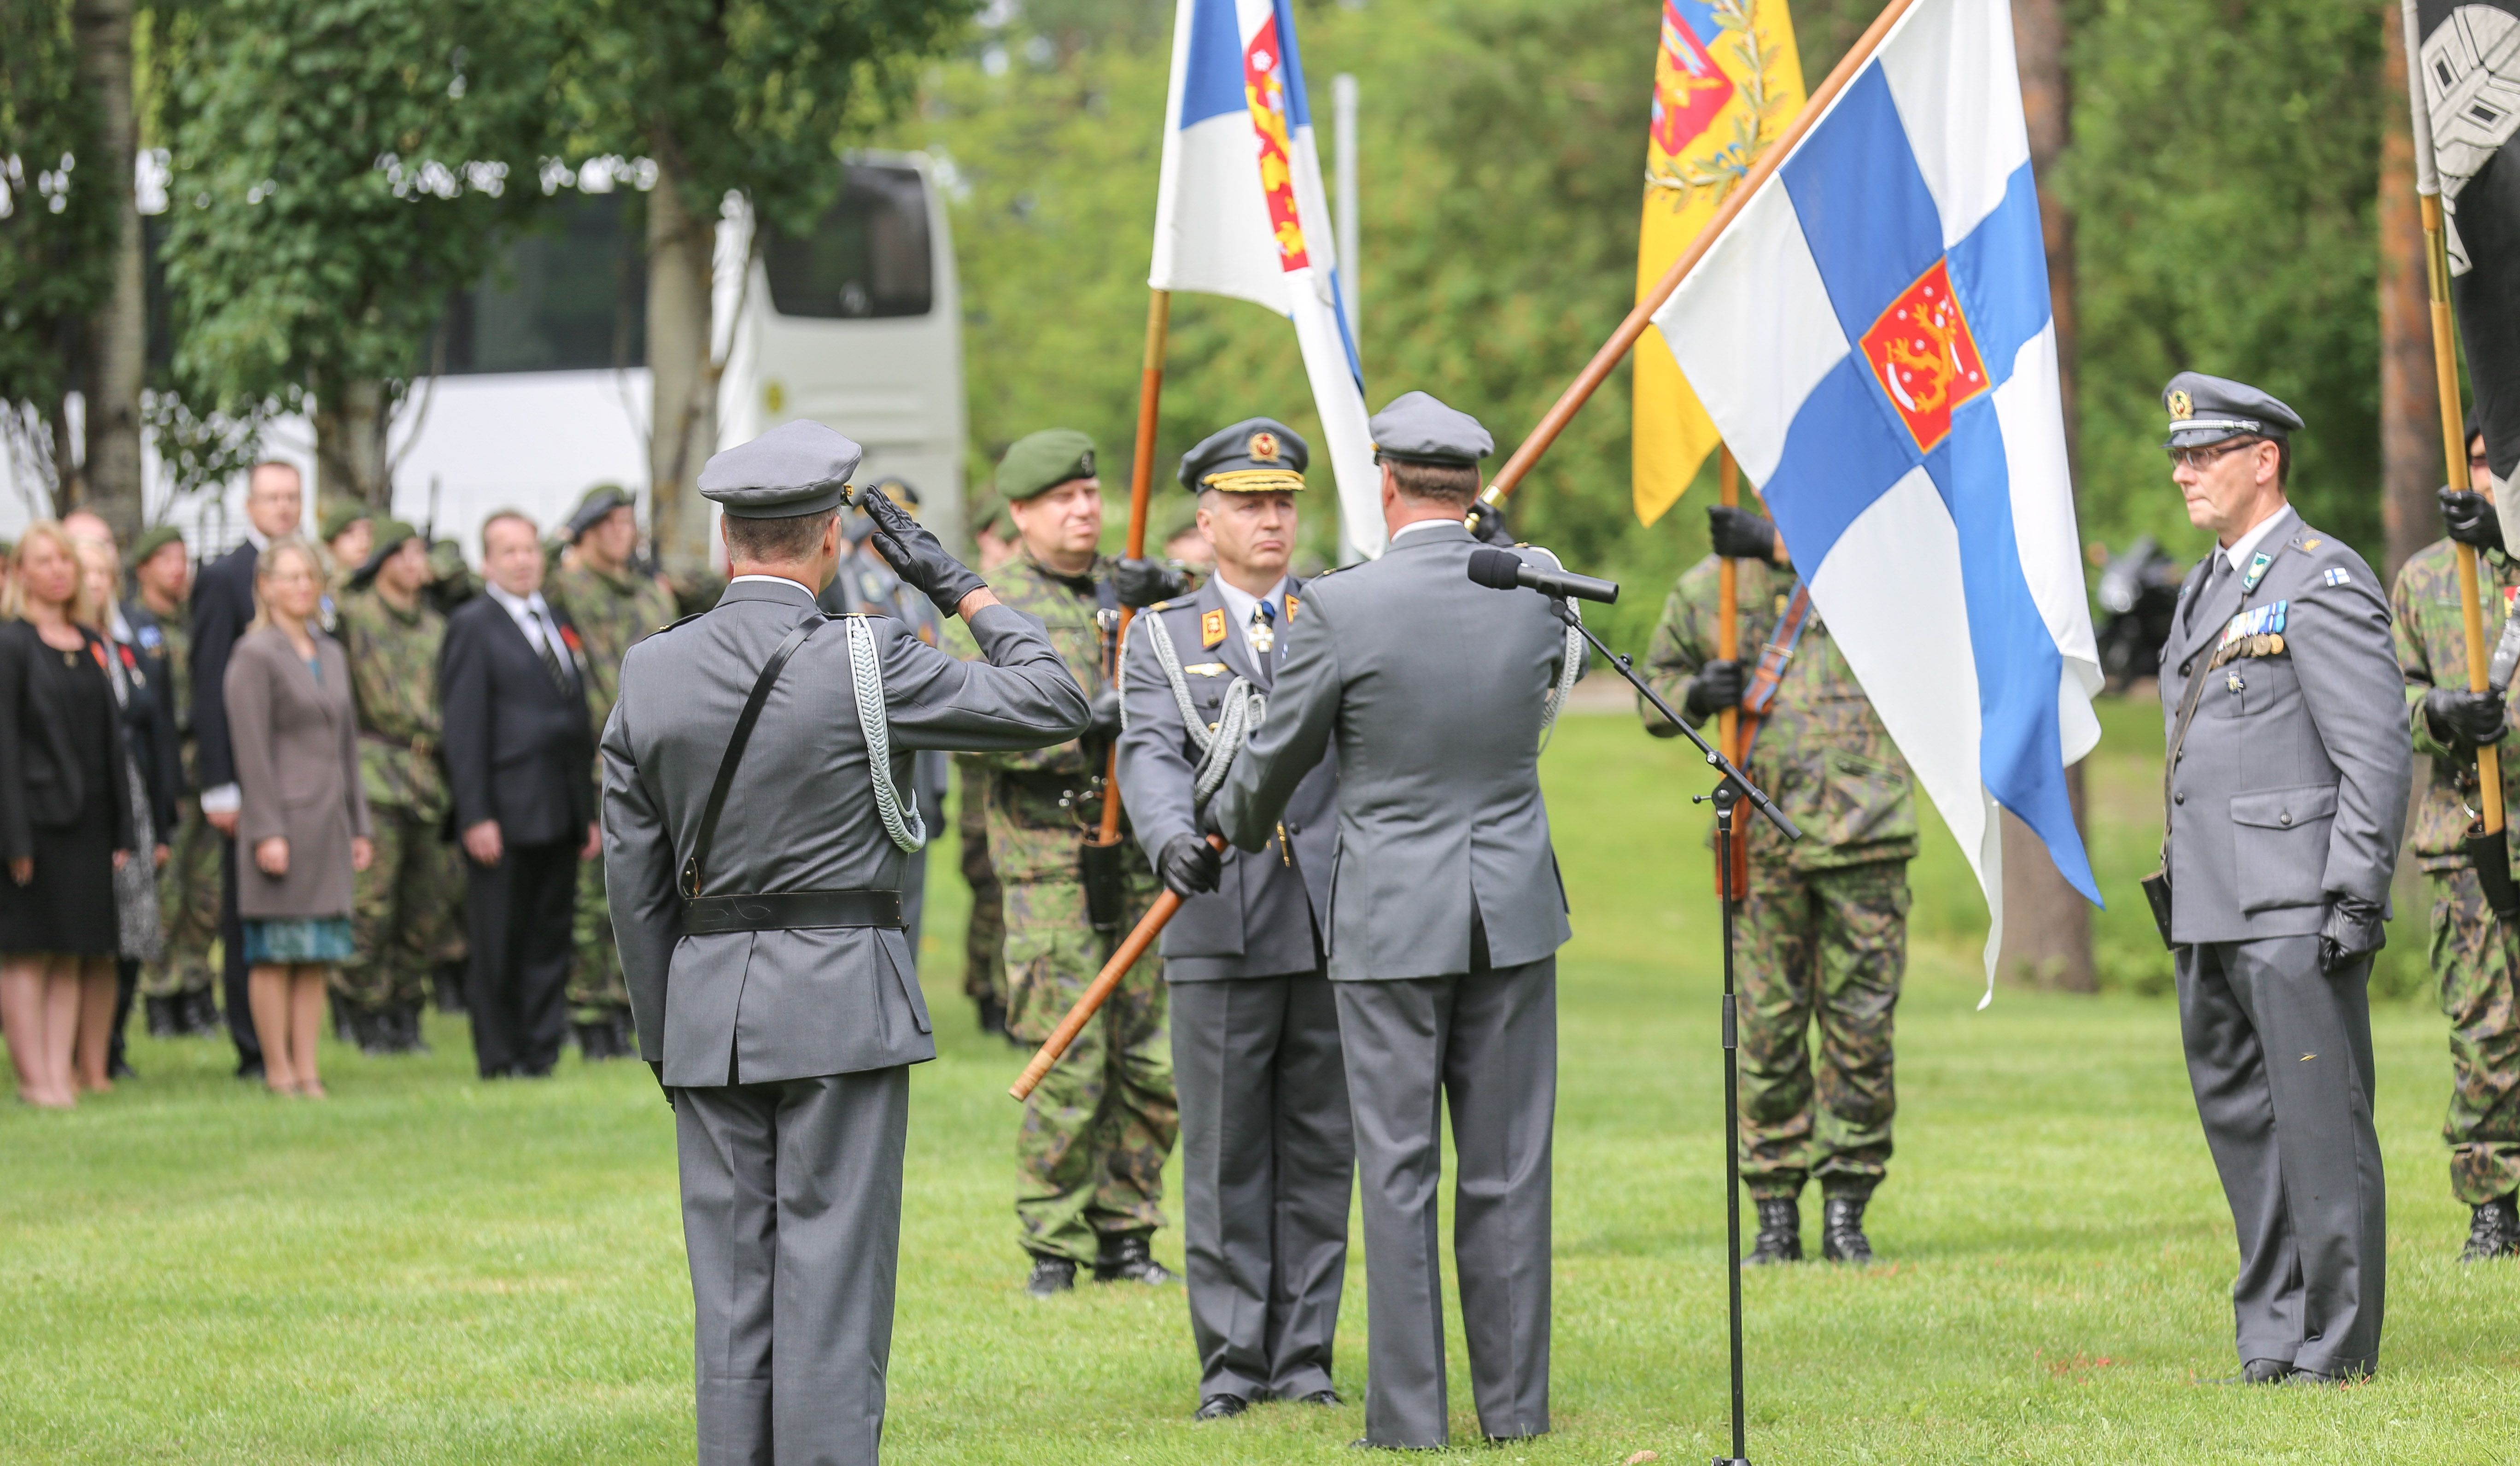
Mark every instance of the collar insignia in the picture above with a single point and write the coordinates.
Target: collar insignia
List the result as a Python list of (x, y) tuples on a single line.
[(1292, 605), (2257, 567), (1211, 630)]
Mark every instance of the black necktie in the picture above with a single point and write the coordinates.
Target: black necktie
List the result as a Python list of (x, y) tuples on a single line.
[(544, 643)]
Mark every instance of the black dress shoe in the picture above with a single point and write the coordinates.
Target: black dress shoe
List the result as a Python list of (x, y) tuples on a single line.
[(1128, 1258), (1841, 1237), (1781, 1232), (118, 1069), (2493, 1231), (1328, 1400), (1051, 1276), (2261, 1372), (1221, 1407)]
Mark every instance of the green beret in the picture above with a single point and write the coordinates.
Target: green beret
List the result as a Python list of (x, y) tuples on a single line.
[(392, 535), (597, 507), (340, 516), (1042, 461), (152, 540)]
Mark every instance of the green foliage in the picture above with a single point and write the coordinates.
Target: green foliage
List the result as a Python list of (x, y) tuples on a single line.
[(57, 226)]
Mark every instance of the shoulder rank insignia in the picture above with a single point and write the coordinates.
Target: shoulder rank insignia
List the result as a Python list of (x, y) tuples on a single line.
[(2312, 544), (1211, 630), (2257, 569), (1294, 605), (1161, 605), (1205, 669), (2337, 576)]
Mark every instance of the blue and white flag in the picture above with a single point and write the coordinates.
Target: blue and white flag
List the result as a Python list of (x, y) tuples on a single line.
[(1241, 211), (1872, 336)]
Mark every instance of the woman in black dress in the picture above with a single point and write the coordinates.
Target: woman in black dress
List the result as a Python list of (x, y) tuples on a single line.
[(65, 826)]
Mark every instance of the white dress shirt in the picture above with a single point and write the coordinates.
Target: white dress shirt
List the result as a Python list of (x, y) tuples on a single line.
[(1239, 604), (1413, 526), (532, 616), (2247, 544)]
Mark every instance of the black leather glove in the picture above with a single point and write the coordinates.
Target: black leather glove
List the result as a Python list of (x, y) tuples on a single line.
[(1143, 582), (2470, 518), (915, 555), (1739, 535), (2464, 719), (2351, 933), (1487, 525), (1717, 686), (1191, 865), (1104, 711)]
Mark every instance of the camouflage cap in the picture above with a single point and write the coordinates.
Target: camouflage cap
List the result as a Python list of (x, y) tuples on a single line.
[(2207, 410), (1042, 461), (596, 507), (1415, 428), (794, 469), (1257, 456), (340, 518), (392, 535), (151, 541)]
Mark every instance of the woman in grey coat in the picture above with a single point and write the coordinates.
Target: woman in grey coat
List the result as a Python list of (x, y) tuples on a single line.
[(304, 819)]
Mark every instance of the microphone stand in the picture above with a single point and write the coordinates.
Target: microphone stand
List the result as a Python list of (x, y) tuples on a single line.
[(1731, 788)]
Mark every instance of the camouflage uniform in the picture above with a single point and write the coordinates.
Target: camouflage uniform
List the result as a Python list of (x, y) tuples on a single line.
[(406, 908), (1090, 1156), (188, 888), (984, 937), (610, 616), (2474, 956), (1823, 930)]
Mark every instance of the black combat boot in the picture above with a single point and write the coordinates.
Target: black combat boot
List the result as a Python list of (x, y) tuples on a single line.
[(1051, 1276), (196, 1015), (1841, 1231), (2493, 1231), (447, 979), (595, 1041), (993, 1015), (369, 1030), (1128, 1258), (1780, 1231), (163, 1020), (406, 1015)]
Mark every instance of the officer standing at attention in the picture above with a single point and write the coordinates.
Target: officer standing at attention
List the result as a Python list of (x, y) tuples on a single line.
[(1090, 1156), (984, 935), (1446, 916), (1825, 919), (614, 605), (754, 830), (2285, 794), (2474, 955), (1267, 1157)]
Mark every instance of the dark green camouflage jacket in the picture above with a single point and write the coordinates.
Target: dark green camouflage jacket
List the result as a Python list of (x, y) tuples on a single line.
[(611, 614), (2431, 636), (1822, 751), (394, 679)]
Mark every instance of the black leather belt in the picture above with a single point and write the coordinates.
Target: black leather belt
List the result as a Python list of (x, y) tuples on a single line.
[(784, 910)]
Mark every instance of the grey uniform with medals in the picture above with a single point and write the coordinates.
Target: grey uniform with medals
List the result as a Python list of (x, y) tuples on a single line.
[(2284, 808), (1267, 1162), (785, 1043), (1445, 918)]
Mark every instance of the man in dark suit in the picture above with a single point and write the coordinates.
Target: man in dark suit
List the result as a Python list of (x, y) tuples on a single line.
[(275, 504), (519, 752)]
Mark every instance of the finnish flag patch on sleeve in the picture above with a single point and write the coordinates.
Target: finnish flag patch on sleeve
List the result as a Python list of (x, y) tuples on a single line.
[(2339, 577)]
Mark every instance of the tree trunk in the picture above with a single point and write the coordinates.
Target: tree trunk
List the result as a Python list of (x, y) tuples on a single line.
[(2047, 923), (351, 464), (117, 336), (2409, 401), (683, 414)]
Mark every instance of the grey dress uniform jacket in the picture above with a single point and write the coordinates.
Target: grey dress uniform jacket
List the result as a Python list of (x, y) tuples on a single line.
[(1446, 915), (2289, 792)]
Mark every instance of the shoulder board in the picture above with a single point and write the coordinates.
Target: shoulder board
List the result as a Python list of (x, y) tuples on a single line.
[(1161, 605), (677, 626)]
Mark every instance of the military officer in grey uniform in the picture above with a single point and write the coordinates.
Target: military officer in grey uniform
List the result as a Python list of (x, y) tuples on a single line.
[(1445, 916), (755, 887), (2284, 798), (1267, 1159)]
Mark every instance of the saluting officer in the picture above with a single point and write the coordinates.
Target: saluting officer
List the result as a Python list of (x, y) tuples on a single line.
[(2285, 796), (1267, 1158), (1445, 919), (755, 885)]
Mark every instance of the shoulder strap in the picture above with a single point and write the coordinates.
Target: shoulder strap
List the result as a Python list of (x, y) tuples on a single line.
[(1779, 650), (694, 869)]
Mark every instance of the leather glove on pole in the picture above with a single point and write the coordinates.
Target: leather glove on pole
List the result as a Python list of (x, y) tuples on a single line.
[(1739, 535), (1104, 711), (1190, 866), (1487, 525), (1143, 582), (2351, 933), (2470, 518), (916, 556), (1717, 686), (2463, 718)]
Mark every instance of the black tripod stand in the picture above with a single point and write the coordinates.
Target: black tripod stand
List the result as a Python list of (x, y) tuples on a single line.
[(1731, 789)]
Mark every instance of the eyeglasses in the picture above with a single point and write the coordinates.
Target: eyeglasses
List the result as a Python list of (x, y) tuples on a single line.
[(2201, 459)]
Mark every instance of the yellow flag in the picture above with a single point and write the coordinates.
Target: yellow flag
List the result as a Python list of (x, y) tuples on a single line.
[(1727, 81)]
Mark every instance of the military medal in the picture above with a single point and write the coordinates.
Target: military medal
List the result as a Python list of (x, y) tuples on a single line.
[(1264, 634)]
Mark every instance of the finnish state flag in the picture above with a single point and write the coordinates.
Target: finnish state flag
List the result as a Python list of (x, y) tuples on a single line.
[(1241, 211), (1872, 336)]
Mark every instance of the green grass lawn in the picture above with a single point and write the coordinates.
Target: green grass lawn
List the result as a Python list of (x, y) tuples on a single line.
[(433, 1269)]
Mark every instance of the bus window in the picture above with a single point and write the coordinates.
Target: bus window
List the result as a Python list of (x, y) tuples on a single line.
[(570, 295), (868, 256)]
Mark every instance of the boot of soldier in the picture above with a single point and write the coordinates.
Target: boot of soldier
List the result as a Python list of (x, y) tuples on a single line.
[(162, 1022), (1780, 1231), (369, 1030), (1841, 1238), (1128, 1258), (993, 1015), (449, 980), (1051, 1276), (2493, 1231), (407, 1015), (201, 1013)]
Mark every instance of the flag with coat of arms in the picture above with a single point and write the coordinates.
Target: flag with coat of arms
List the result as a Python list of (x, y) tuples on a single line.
[(1727, 81), (1241, 211), (1871, 334)]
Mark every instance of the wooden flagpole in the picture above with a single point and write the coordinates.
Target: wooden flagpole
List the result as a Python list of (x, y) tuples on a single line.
[(1142, 473)]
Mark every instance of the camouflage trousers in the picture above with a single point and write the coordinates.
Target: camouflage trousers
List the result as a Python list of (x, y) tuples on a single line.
[(984, 940), (598, 989), (1832, 945), (188, 909), (2475, 959), (1090, 1156), (406, 912)]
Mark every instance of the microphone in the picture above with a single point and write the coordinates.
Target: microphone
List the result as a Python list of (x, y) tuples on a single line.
[(1504, 570)]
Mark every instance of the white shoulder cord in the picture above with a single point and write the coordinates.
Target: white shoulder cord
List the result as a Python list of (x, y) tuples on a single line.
[(865, 670), (1569, 669), (1241, 714)]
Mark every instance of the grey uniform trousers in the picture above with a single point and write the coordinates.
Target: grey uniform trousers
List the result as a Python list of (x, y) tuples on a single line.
[(1485, 1046), (791, 1212), (1268, 1162), (2279, 1054)]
